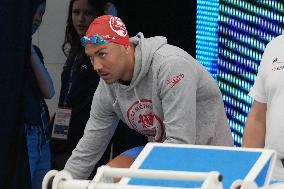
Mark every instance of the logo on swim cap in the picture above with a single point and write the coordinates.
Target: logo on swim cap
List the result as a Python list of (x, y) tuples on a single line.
[(117, 26)]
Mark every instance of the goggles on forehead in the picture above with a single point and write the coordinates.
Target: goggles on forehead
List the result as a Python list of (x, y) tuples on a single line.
[(95, 39)]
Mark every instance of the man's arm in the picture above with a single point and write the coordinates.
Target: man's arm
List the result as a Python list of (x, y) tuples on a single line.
[(97, 134), (254, 134), (177, 83)]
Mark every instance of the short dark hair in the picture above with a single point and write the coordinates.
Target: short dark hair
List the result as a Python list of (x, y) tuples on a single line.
[(72, 39)]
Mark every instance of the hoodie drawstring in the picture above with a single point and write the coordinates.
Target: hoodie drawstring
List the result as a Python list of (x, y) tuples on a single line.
[(136, 95), (115, 102), (116, 92)]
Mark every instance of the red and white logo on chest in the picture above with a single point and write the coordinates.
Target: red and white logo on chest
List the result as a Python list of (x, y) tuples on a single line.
[(141, 118)]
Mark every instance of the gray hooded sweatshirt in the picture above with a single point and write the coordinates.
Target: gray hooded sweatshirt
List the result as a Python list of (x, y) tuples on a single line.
[(171, 98)]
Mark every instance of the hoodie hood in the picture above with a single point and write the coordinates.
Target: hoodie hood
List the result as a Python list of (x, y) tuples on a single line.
[(144, 52)]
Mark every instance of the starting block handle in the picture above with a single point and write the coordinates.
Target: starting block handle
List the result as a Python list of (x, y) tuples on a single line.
[(63, 179), (84, 184), (106, 171), (118, 186)]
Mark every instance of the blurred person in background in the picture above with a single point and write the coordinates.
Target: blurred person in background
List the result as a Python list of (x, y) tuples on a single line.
[(36, 115), (264, 126)]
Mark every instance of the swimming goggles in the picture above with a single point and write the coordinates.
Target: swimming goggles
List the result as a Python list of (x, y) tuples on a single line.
[(95, 39)]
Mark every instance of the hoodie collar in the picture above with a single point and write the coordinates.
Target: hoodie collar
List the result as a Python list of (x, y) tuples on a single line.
[(145, 48)]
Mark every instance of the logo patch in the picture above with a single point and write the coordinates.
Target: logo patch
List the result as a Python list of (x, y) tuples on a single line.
[(118, 26), (277, 64), (174, 80), (142, 119), (84, 67)]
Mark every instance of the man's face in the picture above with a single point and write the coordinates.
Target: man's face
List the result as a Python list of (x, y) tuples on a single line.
[(109, 60)]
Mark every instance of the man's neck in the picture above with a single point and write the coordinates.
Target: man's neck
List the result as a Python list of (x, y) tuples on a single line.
[(127, 83), (131, 62)]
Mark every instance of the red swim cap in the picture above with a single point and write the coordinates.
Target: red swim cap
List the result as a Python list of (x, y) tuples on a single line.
[(110, 28)]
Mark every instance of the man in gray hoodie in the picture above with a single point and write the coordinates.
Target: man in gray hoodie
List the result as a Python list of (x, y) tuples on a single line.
[(157, 89)]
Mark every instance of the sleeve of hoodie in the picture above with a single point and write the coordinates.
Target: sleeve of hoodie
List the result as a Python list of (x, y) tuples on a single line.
[(98, 132), (178, 84)]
